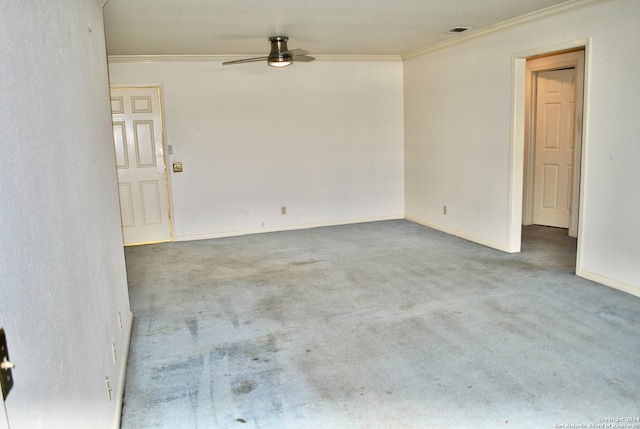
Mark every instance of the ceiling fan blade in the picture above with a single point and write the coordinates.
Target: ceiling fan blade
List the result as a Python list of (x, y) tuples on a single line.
[(245, 60), (303, 58), (294, 52)]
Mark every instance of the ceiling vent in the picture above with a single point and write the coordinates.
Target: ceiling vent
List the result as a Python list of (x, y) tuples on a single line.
[(457, 29)]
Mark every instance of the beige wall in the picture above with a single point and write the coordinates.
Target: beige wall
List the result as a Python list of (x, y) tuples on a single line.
[(323, 139), (458, 133), (62, 273)]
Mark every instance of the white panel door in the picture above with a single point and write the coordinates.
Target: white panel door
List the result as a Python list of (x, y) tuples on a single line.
[(553, 169), (142, 177)]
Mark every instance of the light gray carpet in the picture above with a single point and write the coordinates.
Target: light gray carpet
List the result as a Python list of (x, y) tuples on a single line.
[(376, 325)]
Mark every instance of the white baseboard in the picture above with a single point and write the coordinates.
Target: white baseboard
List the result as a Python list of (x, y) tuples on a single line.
[(123, 373), (286, 228), (612, 283), (498, 246)]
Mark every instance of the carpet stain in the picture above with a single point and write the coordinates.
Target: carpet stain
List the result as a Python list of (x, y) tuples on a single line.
[(192, 324), (245, 387), (296, 264)]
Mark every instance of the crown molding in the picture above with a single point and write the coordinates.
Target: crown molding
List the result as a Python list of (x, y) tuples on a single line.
[(222, 58), (559, 9)]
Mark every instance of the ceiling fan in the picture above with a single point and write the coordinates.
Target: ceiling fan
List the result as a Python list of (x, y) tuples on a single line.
[(280, 55)]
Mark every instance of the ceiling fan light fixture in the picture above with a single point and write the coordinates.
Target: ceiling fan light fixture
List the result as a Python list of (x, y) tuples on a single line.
[(279, 61)]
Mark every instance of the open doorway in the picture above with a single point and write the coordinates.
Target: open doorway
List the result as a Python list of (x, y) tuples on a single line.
[(548, 137), (553, 140), (521, 182)]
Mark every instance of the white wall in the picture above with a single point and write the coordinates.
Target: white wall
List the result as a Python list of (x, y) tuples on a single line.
[(62, 271), (324, 139), (458, 119)]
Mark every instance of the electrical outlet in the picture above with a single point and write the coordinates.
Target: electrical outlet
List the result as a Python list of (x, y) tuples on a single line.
[(283, 210), (444, 210)]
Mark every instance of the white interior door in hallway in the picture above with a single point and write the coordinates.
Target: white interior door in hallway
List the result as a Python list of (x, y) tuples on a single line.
[(554, 144), (562, 120), (142, 176)]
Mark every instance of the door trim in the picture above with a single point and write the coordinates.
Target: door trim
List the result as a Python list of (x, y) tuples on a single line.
[(518, 111), (555, 61), (4, 420)]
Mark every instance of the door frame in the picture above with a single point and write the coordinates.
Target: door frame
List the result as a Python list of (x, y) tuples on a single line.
[(165, 146), (4, 420), (518, 119), (555, 61)]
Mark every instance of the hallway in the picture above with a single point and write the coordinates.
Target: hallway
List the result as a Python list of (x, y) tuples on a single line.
[(376, 325)]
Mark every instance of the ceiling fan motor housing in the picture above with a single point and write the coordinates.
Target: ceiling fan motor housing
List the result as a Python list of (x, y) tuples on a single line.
[(278, 51)]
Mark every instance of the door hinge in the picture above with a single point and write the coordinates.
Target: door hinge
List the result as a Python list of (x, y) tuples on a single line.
[(109, 389), (6, 378)]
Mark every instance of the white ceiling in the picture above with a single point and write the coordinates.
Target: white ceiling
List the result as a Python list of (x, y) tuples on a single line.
[(325, 27)]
